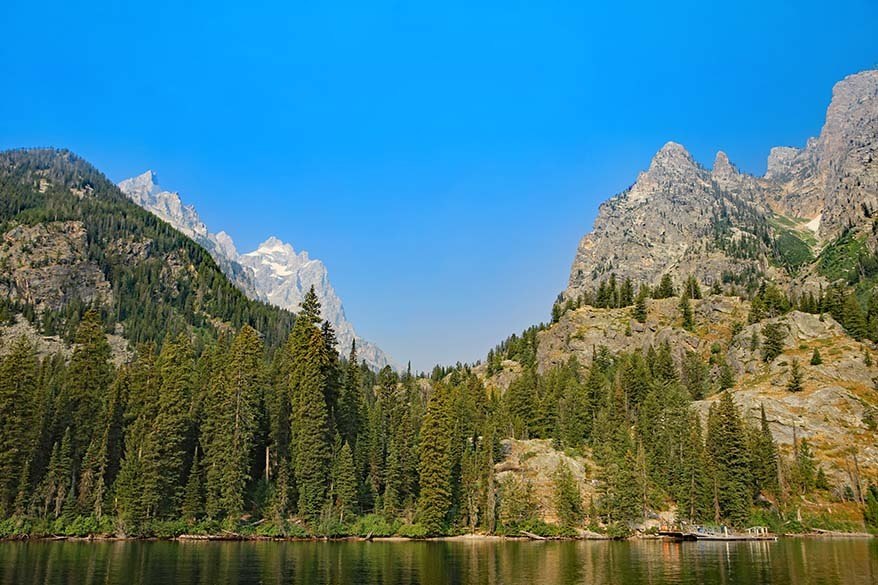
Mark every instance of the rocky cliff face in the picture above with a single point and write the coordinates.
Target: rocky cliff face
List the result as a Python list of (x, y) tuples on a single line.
[(677, 217), (46, 265), (723, 224), (274, 272), (834, 411)]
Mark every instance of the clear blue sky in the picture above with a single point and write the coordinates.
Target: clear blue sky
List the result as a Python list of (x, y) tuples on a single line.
[(442, 158)]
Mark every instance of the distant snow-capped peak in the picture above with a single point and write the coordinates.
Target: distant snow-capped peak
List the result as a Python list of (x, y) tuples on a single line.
[(145, 191), (274, 272)]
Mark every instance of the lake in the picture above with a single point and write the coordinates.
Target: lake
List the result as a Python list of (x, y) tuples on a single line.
[(790, 561)]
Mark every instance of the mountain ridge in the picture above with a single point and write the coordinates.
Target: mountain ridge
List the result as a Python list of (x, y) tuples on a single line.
[(720, 225), (274, 272)]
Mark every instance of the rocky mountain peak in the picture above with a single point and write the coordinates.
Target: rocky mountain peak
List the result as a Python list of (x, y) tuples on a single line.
[(723, 170), (226, 245), (144, 190), (672, 157), (671, 166), (274, 246), (274, 272)]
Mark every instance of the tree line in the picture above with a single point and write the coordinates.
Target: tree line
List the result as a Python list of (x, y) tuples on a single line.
[(299, 440)]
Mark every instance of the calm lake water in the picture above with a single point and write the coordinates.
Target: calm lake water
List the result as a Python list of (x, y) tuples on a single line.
[(791, 562)]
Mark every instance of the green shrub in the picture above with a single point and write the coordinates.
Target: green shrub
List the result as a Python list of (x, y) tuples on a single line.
[(412, 531), (374, 524)]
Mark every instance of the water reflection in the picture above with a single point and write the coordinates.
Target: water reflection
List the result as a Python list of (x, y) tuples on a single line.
[(432, 563)]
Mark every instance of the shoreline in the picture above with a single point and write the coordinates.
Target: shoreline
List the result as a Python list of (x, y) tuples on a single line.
[(480, 538)]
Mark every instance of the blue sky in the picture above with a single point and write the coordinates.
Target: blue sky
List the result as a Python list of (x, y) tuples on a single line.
[(442, 158)]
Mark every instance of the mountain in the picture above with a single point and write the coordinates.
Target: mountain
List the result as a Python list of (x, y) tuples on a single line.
[(71, 239), (274, 273), (786, 327), (145, 191), (735, 229)]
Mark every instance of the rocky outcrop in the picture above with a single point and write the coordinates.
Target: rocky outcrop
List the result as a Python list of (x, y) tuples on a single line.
[(832, 411), (46, 265), (836, 175), (582, 332), (533, 464)]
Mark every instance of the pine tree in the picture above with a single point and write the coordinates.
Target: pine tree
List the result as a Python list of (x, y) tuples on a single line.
[(852, 317), (568, 498), (870, 510), (692, 288), (86, 384), (691, 489), (805, 475), (193, 498), (664, 369), (794, 384), (640, 306), (18, 397), (312, 451), (763, 456), (773, 335), (344, 481), (435, 502), (57, 486), (150, 480), (229, 428), (520, 401), (625, 489), (350, 399), (172, 424), (393, 479), (470, 487), (694, 375), (686, 312), (91, 483), (727, 450), (573, 424), (665, 288), (816, 359), (726, 376), (626, 293)]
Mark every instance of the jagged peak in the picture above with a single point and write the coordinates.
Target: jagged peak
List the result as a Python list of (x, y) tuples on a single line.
[(722, 167), (148, 176), (226, 245), (672, 155), (672, 148), (274, 246), (147, 182)]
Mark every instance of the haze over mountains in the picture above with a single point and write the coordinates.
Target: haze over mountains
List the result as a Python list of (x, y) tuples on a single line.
[(274, 272)]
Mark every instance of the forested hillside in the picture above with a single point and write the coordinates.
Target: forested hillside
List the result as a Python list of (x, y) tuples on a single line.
[(72, 240), (301, 442)]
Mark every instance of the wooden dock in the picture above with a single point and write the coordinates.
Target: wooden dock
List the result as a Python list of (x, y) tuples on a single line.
[(757, 533)]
